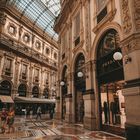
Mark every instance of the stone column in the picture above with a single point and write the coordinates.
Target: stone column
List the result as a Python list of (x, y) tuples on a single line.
[(30, 77), (16, 74), (89, 99), (131, 55), (89, 113)]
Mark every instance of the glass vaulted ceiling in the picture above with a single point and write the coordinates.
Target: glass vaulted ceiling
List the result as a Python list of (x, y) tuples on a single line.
[(41, 12)]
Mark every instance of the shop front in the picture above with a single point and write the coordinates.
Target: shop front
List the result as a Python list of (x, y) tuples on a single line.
[(110, 77)]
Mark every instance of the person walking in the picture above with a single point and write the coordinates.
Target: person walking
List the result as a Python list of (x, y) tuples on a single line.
[(10, 120), (3, 120), (38, 112)]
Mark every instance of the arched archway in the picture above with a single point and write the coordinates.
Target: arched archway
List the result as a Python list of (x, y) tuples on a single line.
[(35, 91), (110, 78), (5, 88), (22, 90), (79, 87)]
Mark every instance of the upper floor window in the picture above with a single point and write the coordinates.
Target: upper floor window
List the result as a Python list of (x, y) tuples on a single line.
[(77, 26), (26, 38), (101, 10), (12, 29), (55, 55), (8, 67), (36, 74), (38, 45), (100, 4), (24, 71), (47, 51)]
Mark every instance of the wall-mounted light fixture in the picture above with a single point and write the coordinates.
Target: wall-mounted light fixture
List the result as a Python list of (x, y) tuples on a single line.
[(62, 83), (80, 74), (118, 56)]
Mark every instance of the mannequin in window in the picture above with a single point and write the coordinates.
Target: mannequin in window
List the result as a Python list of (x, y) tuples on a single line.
[(105, 111), (114, 107)]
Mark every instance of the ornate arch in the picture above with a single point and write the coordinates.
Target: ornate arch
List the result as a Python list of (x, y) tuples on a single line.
[(75, 57), (6, 87), (22, 90), (102, 31), (35, 91)]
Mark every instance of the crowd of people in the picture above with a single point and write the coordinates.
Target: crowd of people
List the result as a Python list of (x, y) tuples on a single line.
[(7, 117), (7, 120)]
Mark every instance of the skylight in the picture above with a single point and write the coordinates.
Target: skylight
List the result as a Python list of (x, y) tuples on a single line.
[(41, 12)]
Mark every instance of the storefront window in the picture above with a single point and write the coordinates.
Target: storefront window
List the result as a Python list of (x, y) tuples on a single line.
[(112, 104)]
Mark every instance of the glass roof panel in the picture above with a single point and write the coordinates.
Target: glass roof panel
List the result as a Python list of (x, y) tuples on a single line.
[(41, 12)]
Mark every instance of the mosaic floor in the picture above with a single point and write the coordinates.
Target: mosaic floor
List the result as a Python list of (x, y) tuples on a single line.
[(30, 129)]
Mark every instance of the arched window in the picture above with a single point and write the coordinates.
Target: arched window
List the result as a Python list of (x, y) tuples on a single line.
[(106, 65), (46, 93), (80, 82), (22, 90), (5, 88), (35, 91)]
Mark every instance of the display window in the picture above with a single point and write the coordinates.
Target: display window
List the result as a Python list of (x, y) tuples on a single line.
[(113, 104)]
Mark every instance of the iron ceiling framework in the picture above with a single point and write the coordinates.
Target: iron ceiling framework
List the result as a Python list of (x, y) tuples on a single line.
[(41, 12)]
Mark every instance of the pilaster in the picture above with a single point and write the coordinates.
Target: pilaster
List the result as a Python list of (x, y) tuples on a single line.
[(131, 49), (68, 116), (89, 110)]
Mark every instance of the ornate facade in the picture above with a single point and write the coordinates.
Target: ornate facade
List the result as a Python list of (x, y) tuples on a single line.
[(96, 89), (28, 57)]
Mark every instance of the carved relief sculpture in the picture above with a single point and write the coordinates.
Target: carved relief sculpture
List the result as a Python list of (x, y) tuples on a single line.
[(127, 25), (137, 13)]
